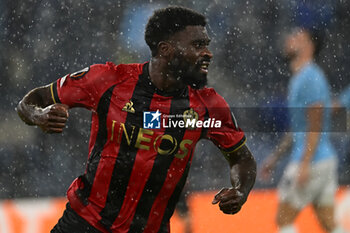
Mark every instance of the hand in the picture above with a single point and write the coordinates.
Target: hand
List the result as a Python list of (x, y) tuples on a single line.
[(53, 118), (230, 200), (303, 175)]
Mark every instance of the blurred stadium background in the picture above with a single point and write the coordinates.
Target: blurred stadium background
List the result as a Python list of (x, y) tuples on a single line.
[(42, 40)]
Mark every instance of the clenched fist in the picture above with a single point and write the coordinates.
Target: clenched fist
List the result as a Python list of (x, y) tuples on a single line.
[(230, 200), (53, 118)]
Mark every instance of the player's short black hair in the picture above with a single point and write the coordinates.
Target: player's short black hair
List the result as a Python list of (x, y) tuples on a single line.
[(317, 38), (167, 21)]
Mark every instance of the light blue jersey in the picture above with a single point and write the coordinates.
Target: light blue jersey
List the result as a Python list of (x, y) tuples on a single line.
[(308, 87)]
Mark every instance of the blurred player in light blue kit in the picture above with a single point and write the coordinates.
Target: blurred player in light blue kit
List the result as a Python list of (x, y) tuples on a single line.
[(311, 175)]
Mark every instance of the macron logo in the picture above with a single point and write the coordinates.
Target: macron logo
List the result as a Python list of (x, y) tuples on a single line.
[(151, 120)]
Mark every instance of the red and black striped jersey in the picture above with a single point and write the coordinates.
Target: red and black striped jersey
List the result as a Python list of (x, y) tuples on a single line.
[(134, 175)]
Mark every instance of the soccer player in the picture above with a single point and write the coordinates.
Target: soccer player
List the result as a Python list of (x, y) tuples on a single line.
[(311, 175), (135, 172)]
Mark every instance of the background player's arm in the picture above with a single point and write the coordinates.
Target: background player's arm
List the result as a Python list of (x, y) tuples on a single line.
[(270, 162), (314, 122), (38, 108), (242, 174)]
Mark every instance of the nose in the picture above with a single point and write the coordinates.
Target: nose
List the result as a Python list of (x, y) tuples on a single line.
[(206, 53)]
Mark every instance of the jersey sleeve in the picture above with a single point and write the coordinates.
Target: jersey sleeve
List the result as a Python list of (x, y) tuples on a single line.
[(82, 88), (313, 90), (229, 137)]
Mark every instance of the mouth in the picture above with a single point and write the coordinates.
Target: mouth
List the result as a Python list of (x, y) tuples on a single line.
[(204, 66)]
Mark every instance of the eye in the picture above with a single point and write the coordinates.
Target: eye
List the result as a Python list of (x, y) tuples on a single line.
[(197, 45), (200, 44)]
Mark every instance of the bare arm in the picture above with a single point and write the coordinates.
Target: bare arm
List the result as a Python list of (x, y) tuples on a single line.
[(242, 175), (284, 145), (38, 108), (314, 121), (270, 162)]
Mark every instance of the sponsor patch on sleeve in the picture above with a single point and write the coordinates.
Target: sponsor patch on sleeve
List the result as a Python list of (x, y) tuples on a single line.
[(80, 74)]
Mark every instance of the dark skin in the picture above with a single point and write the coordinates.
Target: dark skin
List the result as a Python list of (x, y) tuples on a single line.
[(38, 108), (187, 49), (242, 175)]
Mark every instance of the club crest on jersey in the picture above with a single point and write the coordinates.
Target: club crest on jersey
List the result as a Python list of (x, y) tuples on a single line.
[(80, 74), (129, 107), (190, 115)]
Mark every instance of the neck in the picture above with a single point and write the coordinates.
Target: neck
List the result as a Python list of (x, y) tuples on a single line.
[(299, 62), (162, 77)]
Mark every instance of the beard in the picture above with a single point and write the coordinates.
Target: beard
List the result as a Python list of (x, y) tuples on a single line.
[(188, 73)]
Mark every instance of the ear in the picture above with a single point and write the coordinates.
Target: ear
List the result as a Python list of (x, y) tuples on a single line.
[(165, 49)]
